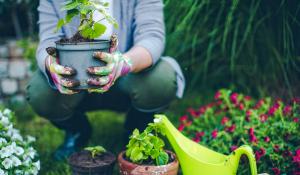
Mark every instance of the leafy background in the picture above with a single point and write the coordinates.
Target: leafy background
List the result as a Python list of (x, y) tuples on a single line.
[(251, 46)]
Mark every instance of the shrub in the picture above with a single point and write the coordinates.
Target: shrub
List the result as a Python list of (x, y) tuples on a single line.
[(271, 127), (17, 156)]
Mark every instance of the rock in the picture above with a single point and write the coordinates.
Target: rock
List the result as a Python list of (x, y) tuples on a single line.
[(3, 68), (9, 86), (14, 50), (3, 52), (18, 69)]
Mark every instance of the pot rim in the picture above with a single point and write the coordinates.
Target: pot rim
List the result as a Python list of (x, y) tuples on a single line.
[(83, 43), (90, 167), (175, 162)]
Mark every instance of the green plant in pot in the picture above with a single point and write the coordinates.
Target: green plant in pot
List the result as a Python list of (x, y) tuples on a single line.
[(145, 154), (92, 161), (77, 51)]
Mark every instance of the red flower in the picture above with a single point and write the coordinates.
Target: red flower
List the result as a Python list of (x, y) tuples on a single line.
[(253, 139), (247, 98), (276, 171), (231, 129), (183, 118), (202, 110), (217, 95), (224, 120), (272, 110), (214, 134), (251, 131), (200, 134), (267, 139), (263, 117), (181, 127), (233, 147), (287, 153), (241, 106), (193, 112), (234, 98), (197, 139), (261, 152), (287, 110), (259, 104), (276, 148), (296, 158), (296, 120), (296, 100), (248, 115)]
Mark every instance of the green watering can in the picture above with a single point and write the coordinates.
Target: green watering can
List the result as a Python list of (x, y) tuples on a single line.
[(198, 160)]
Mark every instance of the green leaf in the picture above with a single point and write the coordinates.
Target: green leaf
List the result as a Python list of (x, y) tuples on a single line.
[(136, 154), (162, 159), (59, 25), (71, 14), (71, 5), (99, 29)]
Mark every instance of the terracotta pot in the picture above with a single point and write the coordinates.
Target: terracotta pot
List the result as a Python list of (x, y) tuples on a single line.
[(82, 163), (129, 168)]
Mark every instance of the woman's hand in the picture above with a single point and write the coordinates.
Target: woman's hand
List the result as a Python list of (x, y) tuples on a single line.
[(117, 65), (59, 74)]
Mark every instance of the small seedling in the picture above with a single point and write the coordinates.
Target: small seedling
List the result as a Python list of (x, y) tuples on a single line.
[(95, 151)]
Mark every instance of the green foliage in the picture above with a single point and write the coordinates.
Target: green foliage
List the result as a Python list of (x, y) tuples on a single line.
[(271, 127), (223, 43), (88, 28), (29, 49), (147, 146), (96, 150)]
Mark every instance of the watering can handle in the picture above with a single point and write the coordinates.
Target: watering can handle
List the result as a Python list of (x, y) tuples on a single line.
[(247, 150)]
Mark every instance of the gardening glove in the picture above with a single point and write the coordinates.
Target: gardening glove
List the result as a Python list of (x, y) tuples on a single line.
[(117, 65), (59, 73)]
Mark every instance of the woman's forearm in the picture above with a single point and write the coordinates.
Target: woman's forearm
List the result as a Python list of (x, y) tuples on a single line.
[(140, 57)]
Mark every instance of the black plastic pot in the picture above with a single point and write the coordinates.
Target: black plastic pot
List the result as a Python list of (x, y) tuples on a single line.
[(83, 164), (80, 56)]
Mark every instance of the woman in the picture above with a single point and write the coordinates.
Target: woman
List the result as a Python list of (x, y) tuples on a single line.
[(146, 84)]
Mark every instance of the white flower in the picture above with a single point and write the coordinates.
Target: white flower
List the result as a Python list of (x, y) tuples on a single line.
[(16, 161), (19, 150), (4, 121), (26, 161), (3, 141), (30, 139), (37, 164), (31, 153), (6, 152), (7, 163), (6, 112), (2, 172), (18, 172)]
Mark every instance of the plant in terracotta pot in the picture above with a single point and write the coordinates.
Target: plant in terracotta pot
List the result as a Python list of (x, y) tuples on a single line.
[(92, 161), (145, 154), (77, 51)]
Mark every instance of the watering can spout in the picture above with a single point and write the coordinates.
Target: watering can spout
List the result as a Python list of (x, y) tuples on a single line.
[(196, 159)]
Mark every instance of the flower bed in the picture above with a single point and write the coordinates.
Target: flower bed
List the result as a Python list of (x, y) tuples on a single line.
[(271, 127), (17, 157)]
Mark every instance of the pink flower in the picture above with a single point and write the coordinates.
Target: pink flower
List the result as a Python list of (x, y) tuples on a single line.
[(183, 118), (296, 158), (263, 117), (276, 171), (214, 134), (259, 104), (276, 148), (241, 106), (253, 139), (287, 153), (272, 110), (251, 131), (267, 139), (258, 154), (218, 95), (196, 139), (181, 127), (202, 110), (231, 129), (200, 134), (287, 110), (234, 98), (193, 112), (296, 120), (233, 147), (247, 98), (296, 100), (224, 120)]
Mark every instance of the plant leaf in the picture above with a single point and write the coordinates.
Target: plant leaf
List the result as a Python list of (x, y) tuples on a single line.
[(99, 29), (71, 5), (162, 159), (59, 25), (71, 14)]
